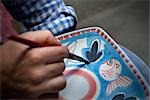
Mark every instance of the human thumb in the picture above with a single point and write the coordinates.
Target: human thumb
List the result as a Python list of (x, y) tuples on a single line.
[(41, 36)]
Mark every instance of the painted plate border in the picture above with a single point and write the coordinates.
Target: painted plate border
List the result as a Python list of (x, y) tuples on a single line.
[(122, 54)]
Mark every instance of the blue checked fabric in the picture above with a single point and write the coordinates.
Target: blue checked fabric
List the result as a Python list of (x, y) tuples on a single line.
[(53, 15)]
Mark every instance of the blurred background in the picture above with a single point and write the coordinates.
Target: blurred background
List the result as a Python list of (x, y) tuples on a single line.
[(127, 21)]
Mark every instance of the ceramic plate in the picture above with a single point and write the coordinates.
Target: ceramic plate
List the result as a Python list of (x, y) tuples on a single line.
[(110, 75)]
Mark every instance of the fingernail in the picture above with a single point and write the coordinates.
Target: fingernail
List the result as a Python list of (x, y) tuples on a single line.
[(59, 43)]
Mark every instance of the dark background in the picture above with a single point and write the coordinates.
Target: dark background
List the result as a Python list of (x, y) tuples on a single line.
[(126, 20)]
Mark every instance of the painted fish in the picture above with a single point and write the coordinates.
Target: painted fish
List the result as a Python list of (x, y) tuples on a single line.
[(110, 71)]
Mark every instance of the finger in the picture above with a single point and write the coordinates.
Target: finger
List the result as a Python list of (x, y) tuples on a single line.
[(53, 70), (49, 96), (42, 73), (47, 54), (54, 85), (42, 36)]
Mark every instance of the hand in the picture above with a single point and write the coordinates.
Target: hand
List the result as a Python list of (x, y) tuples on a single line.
[(29, 72)]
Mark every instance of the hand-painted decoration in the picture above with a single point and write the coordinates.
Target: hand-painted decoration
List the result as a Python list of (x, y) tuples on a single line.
[(109, 75), (122, 97), (110, 71)]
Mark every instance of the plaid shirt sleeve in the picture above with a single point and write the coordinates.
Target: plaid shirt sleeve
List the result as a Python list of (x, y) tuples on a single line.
[(53, 15)]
